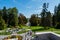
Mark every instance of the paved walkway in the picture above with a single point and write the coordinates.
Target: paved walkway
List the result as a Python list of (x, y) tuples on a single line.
[(46, 36), (37, 33)]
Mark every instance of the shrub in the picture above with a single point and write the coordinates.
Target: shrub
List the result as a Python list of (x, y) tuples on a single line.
[(58, 26), (2, 24)]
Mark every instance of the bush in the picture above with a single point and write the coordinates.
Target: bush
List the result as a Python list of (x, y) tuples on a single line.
[(2, 24), (58, 26)]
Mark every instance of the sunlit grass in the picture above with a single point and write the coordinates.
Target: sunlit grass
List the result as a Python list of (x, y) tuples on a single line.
[(41, 29), (34, 29)]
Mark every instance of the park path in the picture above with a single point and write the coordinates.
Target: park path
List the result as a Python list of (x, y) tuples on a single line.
[(37, 33)]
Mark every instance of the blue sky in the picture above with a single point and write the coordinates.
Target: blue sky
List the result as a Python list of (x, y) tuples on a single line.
[(29, 7)]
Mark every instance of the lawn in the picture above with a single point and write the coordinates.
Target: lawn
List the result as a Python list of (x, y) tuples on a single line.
[(41, 29), (34, 29)]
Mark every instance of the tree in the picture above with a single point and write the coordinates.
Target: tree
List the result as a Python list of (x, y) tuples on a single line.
[(33, 20), (5, 15), (43, 15), (58, 16), (38, 19), (2, 22), (13, 17), (43, 18), (54, 17), (22, 19), (10, 17), (48, 19)]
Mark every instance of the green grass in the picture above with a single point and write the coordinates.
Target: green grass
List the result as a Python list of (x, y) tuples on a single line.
[(22, 32), (4, 33), (41, 29), (34, 29)]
